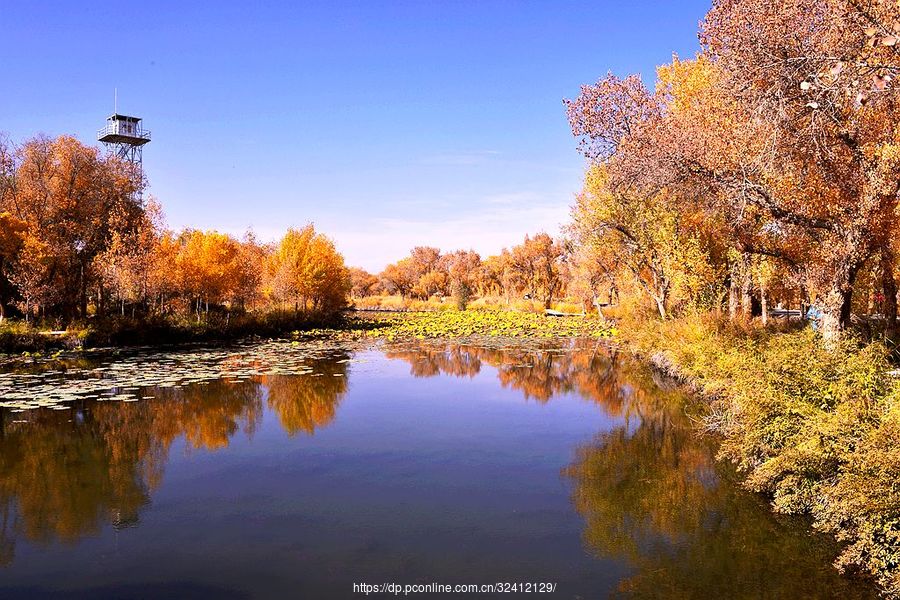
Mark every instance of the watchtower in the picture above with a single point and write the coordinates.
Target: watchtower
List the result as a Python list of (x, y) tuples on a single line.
[(125, 136)]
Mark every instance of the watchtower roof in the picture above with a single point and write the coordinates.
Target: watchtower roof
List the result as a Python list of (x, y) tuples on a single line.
[(118, 117)]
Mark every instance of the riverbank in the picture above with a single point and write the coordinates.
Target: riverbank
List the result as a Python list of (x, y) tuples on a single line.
[(816, 429), (18, 338)]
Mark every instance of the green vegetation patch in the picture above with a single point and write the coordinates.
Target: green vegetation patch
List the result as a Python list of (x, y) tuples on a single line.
[(478, 323)]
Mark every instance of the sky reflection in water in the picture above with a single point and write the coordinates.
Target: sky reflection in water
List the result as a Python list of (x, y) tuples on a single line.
[(414, 463)]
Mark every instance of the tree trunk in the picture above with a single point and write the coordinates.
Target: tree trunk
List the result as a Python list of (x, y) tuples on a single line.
[(764, 302), (600, 312), (661, 307), (746, 288), (732, 294), (836, 306), (661, 299), (830, 322), (804, 302), (846, 304), (82, 296), (889, 288)]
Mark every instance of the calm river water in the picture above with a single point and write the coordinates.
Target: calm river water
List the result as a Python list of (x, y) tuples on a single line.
[(294, 471)]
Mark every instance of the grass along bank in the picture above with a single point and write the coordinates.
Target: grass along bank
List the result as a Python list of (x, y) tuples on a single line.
[(17, 337), (386, 302), (815, 427), (157, 330)]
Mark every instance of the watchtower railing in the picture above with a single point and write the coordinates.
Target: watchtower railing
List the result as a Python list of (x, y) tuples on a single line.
[(117, 129)]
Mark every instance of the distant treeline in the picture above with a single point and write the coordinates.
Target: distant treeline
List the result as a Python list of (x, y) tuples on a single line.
[(538, 268)]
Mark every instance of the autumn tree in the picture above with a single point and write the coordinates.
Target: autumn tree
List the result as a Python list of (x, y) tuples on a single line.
[(209, 267), (12, 238), (434, 282), (362, 283), (307, 270), (593, 266), (72, 201), (252, 256), (421, 274), (682, 150), (536, 265), (74, 232), (399, 278), (127, 268), (166, 278), (646, 234), (12, 230), (462, 269), (488, 278), (826, 164), (498, 276), (425, 259)]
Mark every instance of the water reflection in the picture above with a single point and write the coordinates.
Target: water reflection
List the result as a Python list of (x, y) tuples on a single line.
[(651, 491), (67, 473), (307, 402), (647, 489), (540, 372)]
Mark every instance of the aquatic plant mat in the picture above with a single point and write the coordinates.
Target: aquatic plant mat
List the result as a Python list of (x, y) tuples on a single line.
[(453, 324), (56, 381), (107, 376)]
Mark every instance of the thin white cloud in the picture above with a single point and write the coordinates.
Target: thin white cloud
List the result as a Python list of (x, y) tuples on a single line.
[(498, 225), (512, 198), (500, 221), (475, 157)]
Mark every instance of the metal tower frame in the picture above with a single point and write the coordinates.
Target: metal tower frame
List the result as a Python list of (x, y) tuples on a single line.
[(125, 137)]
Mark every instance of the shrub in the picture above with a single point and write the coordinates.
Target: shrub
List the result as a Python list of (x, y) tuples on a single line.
[(815, 427)]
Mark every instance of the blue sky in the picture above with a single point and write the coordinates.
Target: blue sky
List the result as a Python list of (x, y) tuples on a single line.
[(387, 124)]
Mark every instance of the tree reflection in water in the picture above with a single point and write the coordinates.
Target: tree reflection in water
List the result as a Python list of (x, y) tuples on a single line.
[(64, 474), (538, 371), (307, 402), (650, 491)]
